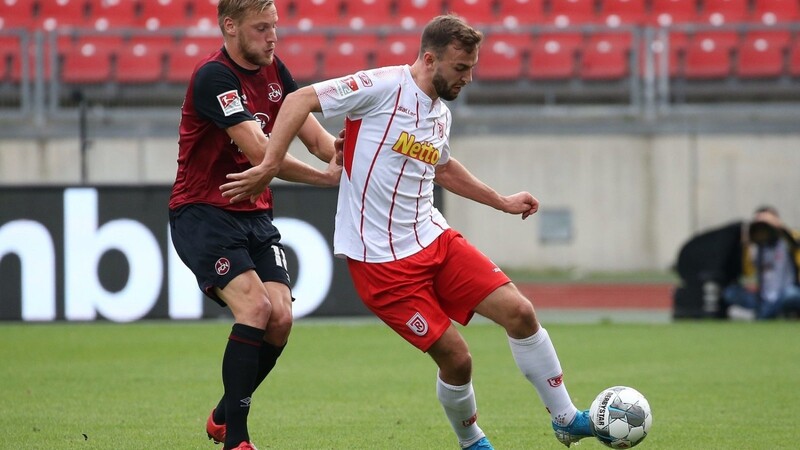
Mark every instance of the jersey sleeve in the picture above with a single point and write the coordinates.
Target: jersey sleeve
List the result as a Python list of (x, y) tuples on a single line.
[(217, 96), (352, 94)]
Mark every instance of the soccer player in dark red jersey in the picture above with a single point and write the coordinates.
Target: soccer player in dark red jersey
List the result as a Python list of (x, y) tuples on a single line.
[(234, 249)]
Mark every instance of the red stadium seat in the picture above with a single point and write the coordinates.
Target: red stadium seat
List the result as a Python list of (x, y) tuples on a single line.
[(573, 12), (142, 59), (622, 12), (705, 59), (759, 59), (62, 13), (776, 11), (794, 58), (661, 66), (551, 58), (348, 54), (369, 13), (105, 15), (17, 14), (309, 14), (602, 60), (476, 12), (721, 33), (672, 12), (203, 14), (501, 57), (159, 14), (10, 49), (301, 53), (88, 62), (398, 49), (737, 8), (184, 55), (514, 13), (416, 13)]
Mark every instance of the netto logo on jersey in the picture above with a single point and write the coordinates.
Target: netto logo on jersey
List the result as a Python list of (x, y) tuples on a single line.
[(424, 151)]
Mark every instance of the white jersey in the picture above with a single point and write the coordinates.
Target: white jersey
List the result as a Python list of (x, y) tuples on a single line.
[(395, 136)]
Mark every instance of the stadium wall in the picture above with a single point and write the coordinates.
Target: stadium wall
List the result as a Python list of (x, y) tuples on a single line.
[(626, 201)]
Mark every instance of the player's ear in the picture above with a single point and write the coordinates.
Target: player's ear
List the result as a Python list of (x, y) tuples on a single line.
[(229, 26)]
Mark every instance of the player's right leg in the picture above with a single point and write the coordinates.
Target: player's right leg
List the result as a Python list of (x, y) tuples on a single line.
[(454, 389)]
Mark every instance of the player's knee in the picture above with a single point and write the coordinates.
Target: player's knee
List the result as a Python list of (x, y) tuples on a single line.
[(280, 323), (522, 319)]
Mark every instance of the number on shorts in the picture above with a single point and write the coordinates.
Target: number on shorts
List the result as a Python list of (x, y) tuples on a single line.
[(280, 257)]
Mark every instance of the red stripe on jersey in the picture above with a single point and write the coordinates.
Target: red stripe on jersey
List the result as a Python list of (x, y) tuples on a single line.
[(416, 216), (391, 208), (372, 166), (351, 129)]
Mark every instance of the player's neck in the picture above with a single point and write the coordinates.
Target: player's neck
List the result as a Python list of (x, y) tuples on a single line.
[(423, 80)]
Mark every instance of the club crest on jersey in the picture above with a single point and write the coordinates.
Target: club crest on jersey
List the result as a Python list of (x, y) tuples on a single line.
[(275, 94), (230, 102), (345, 86), (423, 151), (222, 266), (365, 80), (418, 325)]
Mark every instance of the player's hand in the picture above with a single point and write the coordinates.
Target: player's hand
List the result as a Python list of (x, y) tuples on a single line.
[(521, 203), (333, 173), (248, 184), (338, 146)]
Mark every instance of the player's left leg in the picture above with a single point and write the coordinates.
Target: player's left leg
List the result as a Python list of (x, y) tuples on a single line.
[(536, 357)]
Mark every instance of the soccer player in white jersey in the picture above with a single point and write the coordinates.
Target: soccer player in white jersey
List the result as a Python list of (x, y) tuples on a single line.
[(408, 266)]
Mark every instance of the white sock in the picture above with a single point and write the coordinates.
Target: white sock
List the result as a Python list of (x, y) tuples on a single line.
[(461, 409), (536, 358)]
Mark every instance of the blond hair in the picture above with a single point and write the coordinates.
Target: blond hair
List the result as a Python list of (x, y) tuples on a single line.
[(238, 9)]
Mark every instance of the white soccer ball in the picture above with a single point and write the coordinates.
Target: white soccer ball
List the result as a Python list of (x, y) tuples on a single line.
[(620, 417)]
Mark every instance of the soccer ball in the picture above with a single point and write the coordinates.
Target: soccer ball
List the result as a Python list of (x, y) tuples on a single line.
[(620, 417)]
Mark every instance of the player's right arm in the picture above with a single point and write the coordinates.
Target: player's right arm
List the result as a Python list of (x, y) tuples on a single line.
[(294, 112)]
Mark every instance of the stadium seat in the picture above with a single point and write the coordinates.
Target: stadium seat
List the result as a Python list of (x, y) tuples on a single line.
[(718, 27), (348, 54), (142, 59), (369, 13), (308, 14), (622, 12), (571, 12), (416, 13), (62, 13), (794, 58), (203, 14), (705, 59), (502, 57), (672, 12), (551, 59), (602, 60), (514, 13), (759, 59), (10, 49), (398, 49), (185, 54), (737, 8), (159, 14), (476, 12), (775, 11), (15, 71), (301, 53), (672, 61), (88, 61), (105, 15), (16, 14)]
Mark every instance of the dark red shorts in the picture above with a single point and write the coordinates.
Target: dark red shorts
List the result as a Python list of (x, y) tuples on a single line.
[(418, 296)]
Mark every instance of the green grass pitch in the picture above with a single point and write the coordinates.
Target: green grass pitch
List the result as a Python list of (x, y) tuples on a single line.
[(356, 385)]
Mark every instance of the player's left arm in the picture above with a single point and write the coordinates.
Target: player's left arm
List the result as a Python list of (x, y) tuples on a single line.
[(453, 176)]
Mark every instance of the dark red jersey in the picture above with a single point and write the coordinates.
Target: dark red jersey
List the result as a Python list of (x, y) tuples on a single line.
[(222, 94)]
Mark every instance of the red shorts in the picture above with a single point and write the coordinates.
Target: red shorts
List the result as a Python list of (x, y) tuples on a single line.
[(419, 295)]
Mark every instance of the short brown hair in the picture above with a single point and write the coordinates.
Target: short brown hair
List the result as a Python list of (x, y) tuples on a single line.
[(238, 9), (448, 29)]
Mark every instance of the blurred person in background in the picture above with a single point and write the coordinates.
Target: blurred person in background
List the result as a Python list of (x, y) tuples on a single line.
[(408, 266), (234, 250), (771, 254)]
